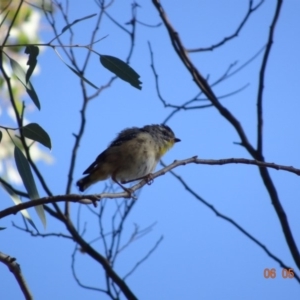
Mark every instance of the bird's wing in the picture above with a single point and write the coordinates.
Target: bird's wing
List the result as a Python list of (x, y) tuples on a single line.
[(99, 158)]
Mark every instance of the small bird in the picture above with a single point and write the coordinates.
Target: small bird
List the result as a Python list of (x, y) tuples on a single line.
[(132, 155)]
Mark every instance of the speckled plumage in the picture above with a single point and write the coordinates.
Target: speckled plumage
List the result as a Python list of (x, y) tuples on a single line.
[(133, 154)]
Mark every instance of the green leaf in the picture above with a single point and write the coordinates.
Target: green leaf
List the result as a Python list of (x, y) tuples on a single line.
[(24, 212), (1, 134), (121, 69), (26, 175), (19, 72), (76, 21), (17, 201), (33, 52), (35, 132), (77, 73)]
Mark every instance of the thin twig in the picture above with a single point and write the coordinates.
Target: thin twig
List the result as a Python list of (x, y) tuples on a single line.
[(17, 192), (231, 221), (144, 258), (250, 10), (38, 234)]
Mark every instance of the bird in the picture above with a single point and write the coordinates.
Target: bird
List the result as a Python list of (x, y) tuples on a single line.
[(132, 155)]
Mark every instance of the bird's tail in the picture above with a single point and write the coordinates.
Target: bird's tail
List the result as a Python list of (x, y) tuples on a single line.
[(93, 177), (84, 183)]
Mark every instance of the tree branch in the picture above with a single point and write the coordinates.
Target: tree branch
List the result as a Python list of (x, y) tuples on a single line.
[(14, 267), (101, 260), (17, 192), (89, 199), (251, 9), (261, 83), (235, 224), (200, 80), (206, 89)]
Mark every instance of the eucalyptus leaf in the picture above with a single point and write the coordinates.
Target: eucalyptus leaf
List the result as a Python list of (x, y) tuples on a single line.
[(19, 72), (35, 132), (27, 178), (24, 212), (33, 52), (121, 69), (15, 198)]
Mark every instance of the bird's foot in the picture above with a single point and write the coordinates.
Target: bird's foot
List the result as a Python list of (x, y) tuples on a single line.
[(130, 193), (149, 178)]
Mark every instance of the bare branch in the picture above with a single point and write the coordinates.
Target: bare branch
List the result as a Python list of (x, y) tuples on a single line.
[(101, 260), (14, 267), (250, 10), (91, 199), (200, 80), (17, 192), (144, 258), (186, 105), (38, 234), (76, 277), (262, 79), (236, 225), (136, 234), (149, 25), (206, 89)]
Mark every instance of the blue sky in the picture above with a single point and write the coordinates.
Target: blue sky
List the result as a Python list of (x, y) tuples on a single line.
[(201, 255)]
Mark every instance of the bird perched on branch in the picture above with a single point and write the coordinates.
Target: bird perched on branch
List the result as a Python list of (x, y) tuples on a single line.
[(131, 156)]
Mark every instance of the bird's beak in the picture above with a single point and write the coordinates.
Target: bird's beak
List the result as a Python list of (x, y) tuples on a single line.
[(177, 140)]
